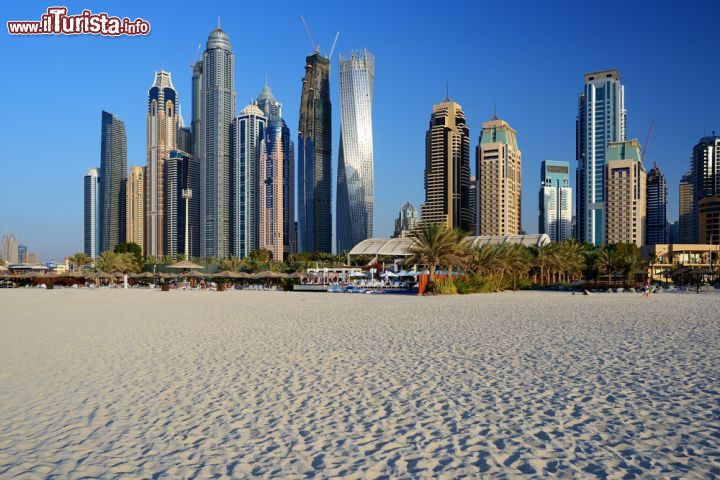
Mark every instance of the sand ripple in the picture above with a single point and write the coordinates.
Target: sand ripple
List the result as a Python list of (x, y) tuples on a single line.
[(143, 384)]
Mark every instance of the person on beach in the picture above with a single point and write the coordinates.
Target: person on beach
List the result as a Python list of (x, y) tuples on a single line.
[(646, 288)]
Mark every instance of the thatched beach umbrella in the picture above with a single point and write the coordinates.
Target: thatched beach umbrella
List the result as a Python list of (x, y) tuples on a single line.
[(185, 264), (195, 273)]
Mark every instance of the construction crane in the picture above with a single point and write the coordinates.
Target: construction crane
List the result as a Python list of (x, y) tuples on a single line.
[(313, 45), (647, 142), (334, 43)]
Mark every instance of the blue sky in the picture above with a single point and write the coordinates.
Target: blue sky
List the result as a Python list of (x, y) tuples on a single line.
[(528, 58)]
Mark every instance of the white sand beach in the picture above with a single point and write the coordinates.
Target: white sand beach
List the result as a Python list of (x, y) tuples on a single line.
[(145, 384)]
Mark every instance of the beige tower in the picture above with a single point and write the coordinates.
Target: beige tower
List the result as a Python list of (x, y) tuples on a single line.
[(687, 223), (499, 183), (625, 193), (447, 168), (162, 126), (134, 211)]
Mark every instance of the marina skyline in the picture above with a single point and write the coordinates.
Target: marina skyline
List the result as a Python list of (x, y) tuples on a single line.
[(398, 130)]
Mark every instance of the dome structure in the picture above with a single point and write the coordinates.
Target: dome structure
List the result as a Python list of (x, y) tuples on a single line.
[(218, 39)]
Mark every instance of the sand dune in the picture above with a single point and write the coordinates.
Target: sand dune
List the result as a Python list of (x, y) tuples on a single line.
[(141, 384)]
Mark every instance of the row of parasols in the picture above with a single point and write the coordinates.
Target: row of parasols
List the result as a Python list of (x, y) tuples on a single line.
[(227, 274)]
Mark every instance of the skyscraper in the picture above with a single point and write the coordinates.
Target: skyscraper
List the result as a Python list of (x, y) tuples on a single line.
[(499, 164), (407, 220), (315, 157), (91, 214), (709, 220), (625, 193), (705, 170), (135, 211), (184, 137), (267, 103), (555, 203), (217, 111), (22, 253), (113, 182), (277, 191), (355, 192), (688, 228), (10, 248), (447, 168), (196, 119), (162, 128), (657, 194), (182, 204), (600, 120), (248, 130)]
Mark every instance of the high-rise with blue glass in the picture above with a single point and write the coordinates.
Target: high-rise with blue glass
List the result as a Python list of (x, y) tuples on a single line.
[(113, 182), (656, 199), (355, 192), (600, 120)]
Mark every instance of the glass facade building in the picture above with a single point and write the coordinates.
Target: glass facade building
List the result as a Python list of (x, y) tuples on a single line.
[(182, 204), (91, 211), (555, 202), (314, 175), (113, 182), (601, 120), (656, 198), (355, 191), (248, 130)]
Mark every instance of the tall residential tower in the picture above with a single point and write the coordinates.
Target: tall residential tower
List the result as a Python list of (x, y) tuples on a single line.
[(499, 180), (447, 168), (134, 208), (625, 189), (113, 182), (91, 213), (555, 202), (355, 192), (315, 157), (600, 120), (656, 198), (217, 111)]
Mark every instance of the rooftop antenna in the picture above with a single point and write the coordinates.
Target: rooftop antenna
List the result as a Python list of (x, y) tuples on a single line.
[(218, 21), (313, 45), (333, 45), (266, 79)]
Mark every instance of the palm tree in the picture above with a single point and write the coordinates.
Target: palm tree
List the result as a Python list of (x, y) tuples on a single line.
[(542, 260), (79, 260), (126, 263), (436, 245), (517, 262), (106, 261), (605, 263)]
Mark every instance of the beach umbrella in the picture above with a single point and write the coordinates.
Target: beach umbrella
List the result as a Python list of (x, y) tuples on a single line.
[(195, 273), (143, 275), (185, 264), (357, 275), (268, 274)]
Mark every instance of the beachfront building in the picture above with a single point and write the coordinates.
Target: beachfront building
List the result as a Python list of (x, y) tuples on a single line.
[(134, 208), (217, 111), (91, 213), (355, 190), (407, 221), (315, 157), (498, 169), (162, 128), (276, 190), (22, 253), (10, 248), (113, 182), (625, 181), (601, 120), (687, 228), (400, 247), (447, 168), (674, 260), (709, 219), (657, 226), (248, 131), (182, 205), (555, 202)]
